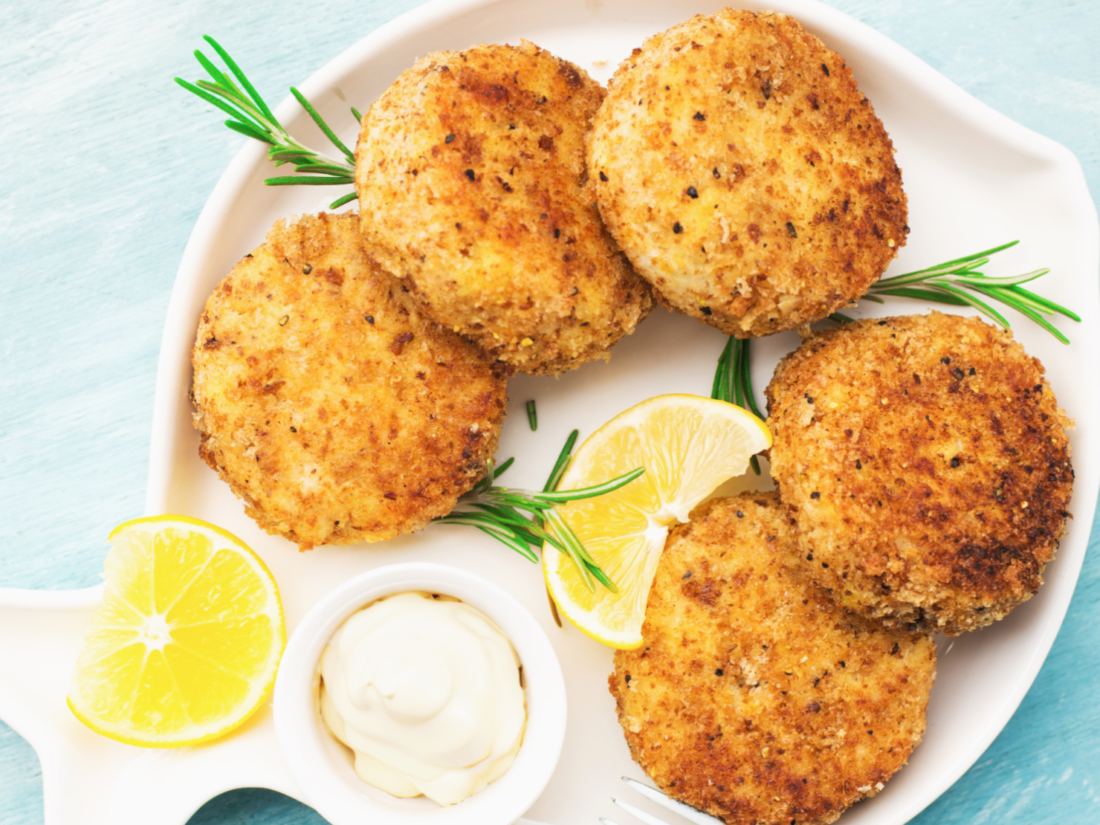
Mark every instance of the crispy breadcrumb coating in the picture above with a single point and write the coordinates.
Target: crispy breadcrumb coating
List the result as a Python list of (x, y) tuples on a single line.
[(755, 697), (471, 179), (927, 465), (745, 175), (330, 405)]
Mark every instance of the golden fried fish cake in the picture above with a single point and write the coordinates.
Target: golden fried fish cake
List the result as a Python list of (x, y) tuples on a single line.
[(471, 179), (330, 405), (755, 697), (745, 175), (927, 465)]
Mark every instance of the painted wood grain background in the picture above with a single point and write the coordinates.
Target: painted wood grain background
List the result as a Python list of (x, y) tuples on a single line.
[(106, 165)]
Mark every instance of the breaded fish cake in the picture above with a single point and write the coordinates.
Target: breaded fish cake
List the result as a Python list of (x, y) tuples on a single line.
[(745, 175), (755, 697), (926, 463), (330, 405), (471, 179)]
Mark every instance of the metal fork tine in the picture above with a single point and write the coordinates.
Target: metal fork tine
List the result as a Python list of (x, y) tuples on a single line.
[(648, 819), (686, 811)]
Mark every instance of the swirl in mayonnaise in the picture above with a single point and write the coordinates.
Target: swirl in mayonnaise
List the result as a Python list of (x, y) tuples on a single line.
[(426, 691)]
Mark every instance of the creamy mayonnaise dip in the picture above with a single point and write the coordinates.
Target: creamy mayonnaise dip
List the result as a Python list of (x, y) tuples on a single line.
[(426, 691)]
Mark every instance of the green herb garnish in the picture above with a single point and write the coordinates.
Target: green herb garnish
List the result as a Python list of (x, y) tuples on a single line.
[(959, 283), (733, 381), (496, 513), (532, 416), (253, 118)]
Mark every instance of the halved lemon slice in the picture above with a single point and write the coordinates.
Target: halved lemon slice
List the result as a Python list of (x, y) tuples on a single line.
[(187, 641), (688, 446)]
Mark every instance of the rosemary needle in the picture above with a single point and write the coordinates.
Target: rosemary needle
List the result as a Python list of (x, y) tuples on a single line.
[(253, 118), (562, 463), (532, 416), (733, 381)]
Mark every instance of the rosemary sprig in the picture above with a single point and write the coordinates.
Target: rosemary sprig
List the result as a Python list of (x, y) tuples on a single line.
[(496, 512), (253, 118), (959, 283), (733, 381)]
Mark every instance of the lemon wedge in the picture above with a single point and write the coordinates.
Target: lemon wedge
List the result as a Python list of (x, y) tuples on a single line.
[(688, 446), (187, 641)]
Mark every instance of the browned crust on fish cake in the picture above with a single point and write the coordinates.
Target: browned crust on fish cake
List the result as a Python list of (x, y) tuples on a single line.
[(754, 697), (330, 405), (745, 175), (927, 464), (471, 179)]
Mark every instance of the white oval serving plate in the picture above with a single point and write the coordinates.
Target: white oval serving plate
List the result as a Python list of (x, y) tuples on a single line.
[(974, 179)]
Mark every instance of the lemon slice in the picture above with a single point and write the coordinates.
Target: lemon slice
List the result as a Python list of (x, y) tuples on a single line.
[(187, 640), (688, 446)]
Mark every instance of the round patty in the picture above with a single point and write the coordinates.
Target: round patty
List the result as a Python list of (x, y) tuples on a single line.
[(330, 405), (926, 463), (745, 175), (470, 172), (755, 697)]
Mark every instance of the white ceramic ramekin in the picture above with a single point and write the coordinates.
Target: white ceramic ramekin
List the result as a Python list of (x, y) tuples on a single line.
[(323, 767)]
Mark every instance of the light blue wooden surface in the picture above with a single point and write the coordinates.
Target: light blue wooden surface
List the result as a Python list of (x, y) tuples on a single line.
[(106, 167)]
